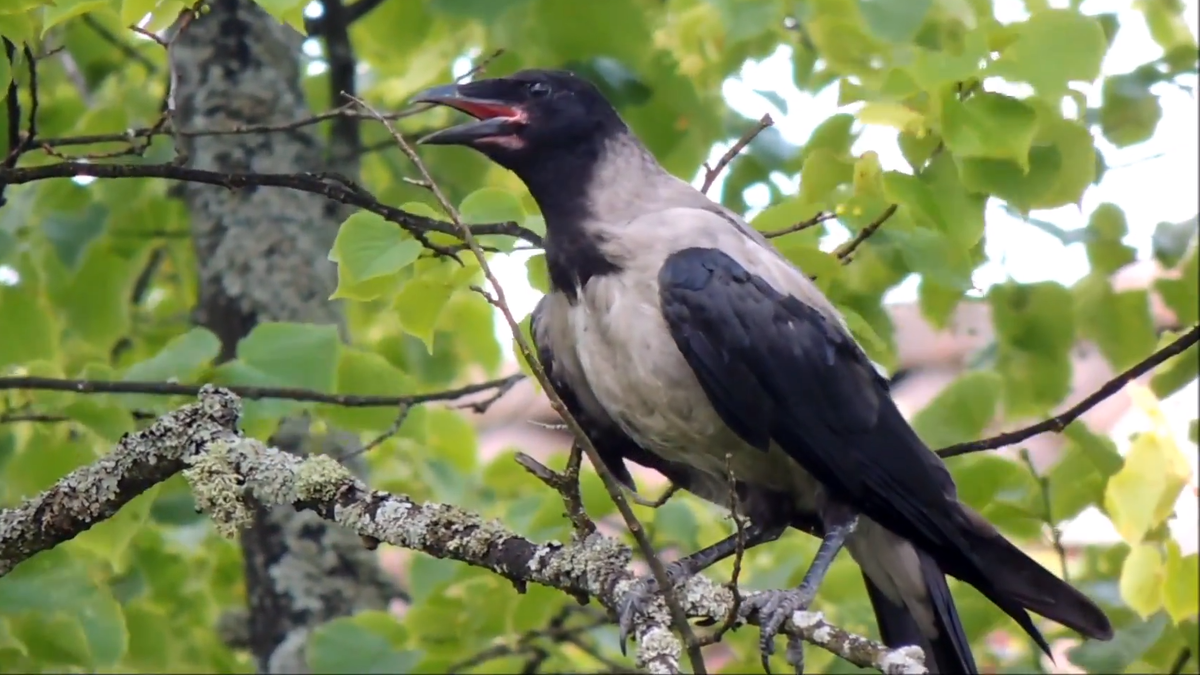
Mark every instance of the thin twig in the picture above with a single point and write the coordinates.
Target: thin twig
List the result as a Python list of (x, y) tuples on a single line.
[(844, 251), (711, 173), (1048, 513), (252, 393), (122, 46), (679, 618), (802, 225), (735, 507), (1060, 421), (655, 503)]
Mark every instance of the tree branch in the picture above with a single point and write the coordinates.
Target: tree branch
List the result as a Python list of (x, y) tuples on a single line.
[(332, 187), (253, 393), (711, 173), (1061, 420), (94, 493)]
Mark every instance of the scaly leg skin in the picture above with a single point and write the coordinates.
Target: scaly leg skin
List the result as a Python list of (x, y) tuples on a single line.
[(774, 608), (639, 596)]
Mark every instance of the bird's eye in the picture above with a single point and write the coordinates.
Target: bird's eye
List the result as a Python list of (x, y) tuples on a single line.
[(538, 89)]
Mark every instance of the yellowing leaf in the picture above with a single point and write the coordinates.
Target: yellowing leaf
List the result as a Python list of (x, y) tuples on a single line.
[(1142, 494), (893, 115), (1181, 584), (132, 11), (1141, 579)]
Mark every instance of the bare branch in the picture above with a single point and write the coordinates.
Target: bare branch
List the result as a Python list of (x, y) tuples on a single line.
[(252, 393), (325, 185), (610, 483), (711, 173), (1060, 421)]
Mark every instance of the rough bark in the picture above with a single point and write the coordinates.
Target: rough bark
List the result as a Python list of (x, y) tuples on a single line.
[(262, 257)]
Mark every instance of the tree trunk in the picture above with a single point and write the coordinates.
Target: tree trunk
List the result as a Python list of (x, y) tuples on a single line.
[(262, 257)]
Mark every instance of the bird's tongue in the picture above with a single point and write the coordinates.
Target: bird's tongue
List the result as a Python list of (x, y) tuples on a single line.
[(484, 110)]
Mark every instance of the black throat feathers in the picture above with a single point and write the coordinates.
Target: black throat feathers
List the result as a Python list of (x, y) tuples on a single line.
[(560, 181)]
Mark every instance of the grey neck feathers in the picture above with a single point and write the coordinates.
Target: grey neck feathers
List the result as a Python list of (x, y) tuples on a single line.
[(587, 194)]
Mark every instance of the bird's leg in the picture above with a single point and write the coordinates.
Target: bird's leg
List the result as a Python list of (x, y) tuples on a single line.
[(645, 588), (774, 608)]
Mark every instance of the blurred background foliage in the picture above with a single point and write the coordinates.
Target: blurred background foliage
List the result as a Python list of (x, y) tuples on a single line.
[(985, 113)]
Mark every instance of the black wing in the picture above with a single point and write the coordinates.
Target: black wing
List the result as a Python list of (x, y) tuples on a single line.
[(777, 370)]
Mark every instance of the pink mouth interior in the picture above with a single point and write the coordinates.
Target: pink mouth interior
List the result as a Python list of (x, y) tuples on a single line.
[(484, 111)]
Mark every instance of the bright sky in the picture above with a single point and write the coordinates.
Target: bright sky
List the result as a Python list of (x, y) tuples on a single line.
[(1152, 182)]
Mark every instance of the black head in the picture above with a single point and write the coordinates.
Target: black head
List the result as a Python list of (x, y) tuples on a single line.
[(532, 116)]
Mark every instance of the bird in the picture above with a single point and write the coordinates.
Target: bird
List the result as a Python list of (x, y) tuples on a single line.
[(681, 340)]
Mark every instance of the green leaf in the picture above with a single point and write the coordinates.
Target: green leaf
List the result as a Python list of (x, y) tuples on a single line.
[(961, 411), (934, 256), (111, 538), (1172, 240), (366, 373), (1035, 332), (1181, 294), (536, 272), (421, 300), (179, 359), (1178, 371), (1100, 450), (293, 354), (452, 438), (823, 171), (367, 248), (53, 583), (290, 12), (1105, 229), (989, 125), (1073, 484), (1181, 583), (71, 233), (62, 10), (492, 205), (1129, 112), (95, 299), (1053, 48), (1127, 646), (894, 21), (108, 420), (933, 69), (1005, 179), (56, 638), (961, 210), (1142, 494), (1120, 324), (1141, 579), (22, 305), (1077, 158), (368, 642)]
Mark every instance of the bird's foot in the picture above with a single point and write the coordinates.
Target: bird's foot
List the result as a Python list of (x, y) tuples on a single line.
[(774, 608), (641, 594)]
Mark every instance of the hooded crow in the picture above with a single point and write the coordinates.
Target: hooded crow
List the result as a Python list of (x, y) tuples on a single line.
[(683, 341)]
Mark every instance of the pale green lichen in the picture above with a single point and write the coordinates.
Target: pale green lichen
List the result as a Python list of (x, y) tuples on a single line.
[(217, 488), (319, 477)]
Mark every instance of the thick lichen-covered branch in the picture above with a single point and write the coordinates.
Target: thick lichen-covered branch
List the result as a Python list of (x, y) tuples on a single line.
[(94, 493), (237, 472)]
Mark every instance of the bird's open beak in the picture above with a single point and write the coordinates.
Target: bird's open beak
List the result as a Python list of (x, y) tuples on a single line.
[(495, 118)]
